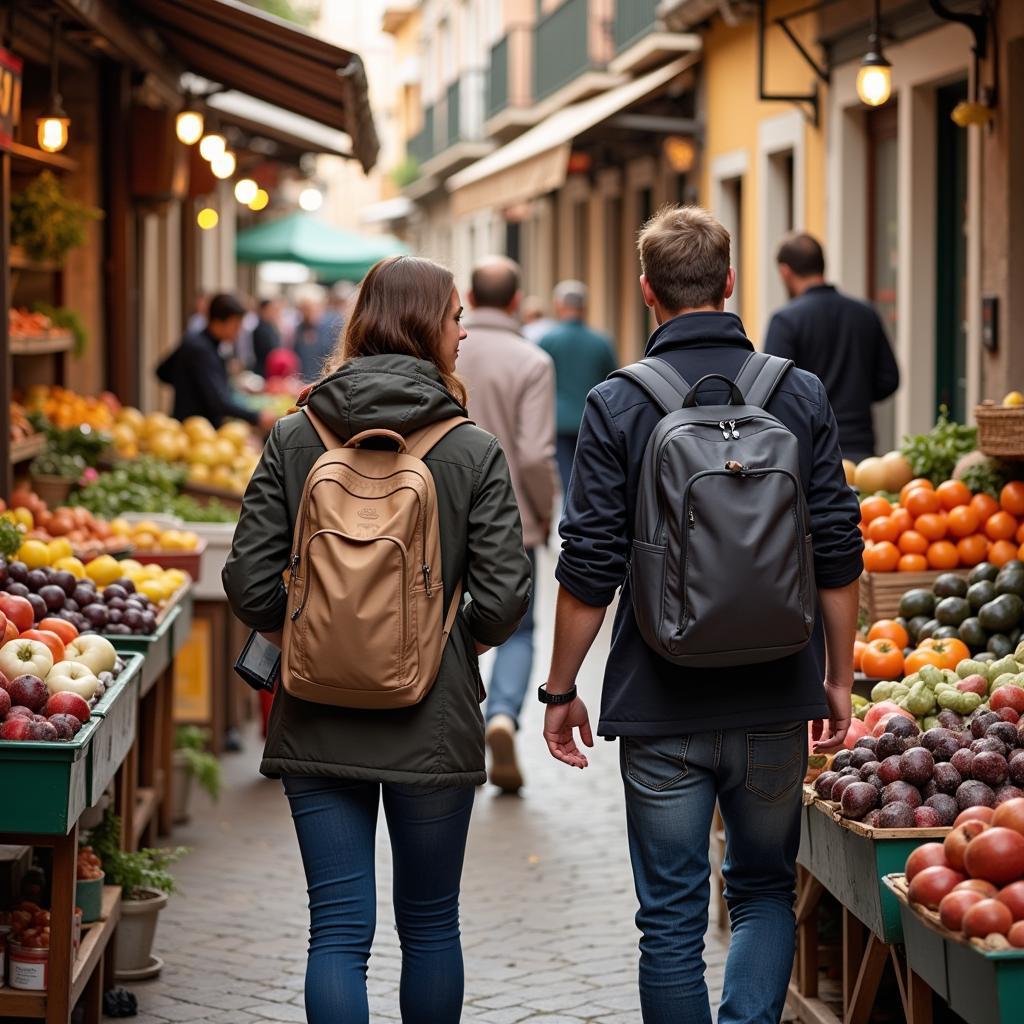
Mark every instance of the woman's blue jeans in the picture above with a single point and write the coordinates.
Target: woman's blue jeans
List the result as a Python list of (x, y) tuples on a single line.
[(672, 783), (336, 822)]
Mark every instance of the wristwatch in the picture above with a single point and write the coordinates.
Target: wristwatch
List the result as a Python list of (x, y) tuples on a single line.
[(556, 698)]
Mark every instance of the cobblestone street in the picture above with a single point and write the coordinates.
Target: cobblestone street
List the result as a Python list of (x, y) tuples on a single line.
[(547, 903)]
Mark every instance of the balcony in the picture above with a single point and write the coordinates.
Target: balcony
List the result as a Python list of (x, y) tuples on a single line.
[(509, 103), (633, 20), (421, 145), (641, 39)]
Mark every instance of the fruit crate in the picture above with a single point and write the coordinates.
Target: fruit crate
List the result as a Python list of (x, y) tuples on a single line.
[(1000, 430), (983, 986), (880, 592), (851, 860), (46, 785), (119, 711), (187, 561), (155, 648), (218, 538)]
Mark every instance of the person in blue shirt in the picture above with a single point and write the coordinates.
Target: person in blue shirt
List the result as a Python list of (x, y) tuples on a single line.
[(583, 358)]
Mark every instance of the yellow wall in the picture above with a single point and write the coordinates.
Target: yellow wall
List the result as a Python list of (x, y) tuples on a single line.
[(733, 116)]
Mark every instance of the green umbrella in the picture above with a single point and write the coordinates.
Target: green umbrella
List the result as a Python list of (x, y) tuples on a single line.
[(332, 253)]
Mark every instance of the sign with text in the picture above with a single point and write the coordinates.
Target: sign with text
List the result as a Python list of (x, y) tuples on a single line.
[(10, 96)]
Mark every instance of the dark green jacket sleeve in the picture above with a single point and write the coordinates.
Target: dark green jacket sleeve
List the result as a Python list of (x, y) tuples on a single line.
[(253, 573), (498, 576)]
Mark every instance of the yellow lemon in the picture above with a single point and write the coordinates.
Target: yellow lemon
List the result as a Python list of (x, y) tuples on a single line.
[(203, 453), (130, 565), (60, 547), (145, 526), (176, 577), (152, 572), (144, 540), (223, 478), (199, 428), (237, 432), (198, 473), (189, 540), (1013, 399), (120, 527), (23, 517), (104, 570), (71, 565), (226, 451), (35, 554), (153, 589), (131, 417)]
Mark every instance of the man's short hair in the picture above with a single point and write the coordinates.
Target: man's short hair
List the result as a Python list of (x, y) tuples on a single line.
[(803, 254), (684, 254), (265, 304), (224, 307), (495, 282), (571, 294)]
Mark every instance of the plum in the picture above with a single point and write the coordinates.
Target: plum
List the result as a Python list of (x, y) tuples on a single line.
[(63, 726), (946, 807), (927, 817), (44, 731), (949, 719), (841, 760), (901, 726), (941, 742), (859, 799), (946, 778), (1007, 792), (929, 789), (901, 792), (860, 757), (29, 691), (16, 727), (20, 711), (865, 743), (1003, 731), (974, 793), (872, 818), (911, 741), (875, 781), (66, 581), (36, 580), (5, 703), (18, 571), (962, 761), (1016, 769), (887, 745), (18, 590), (990, 768), (980, 724), (823, 784), (869, 769), (840, 785), (39, 607), (889, 769), (896, 815), (990, 744), (916, 766)]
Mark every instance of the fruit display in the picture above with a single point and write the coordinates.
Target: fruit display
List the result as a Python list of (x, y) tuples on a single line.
[(64, 532), (30, 925), (21, 425), (21, 323), (68, 411), (942, 527), (89, 867), (145, 535)]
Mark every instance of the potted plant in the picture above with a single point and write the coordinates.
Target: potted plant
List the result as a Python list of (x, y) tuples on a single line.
[(192, 762), (145, 885), (46, 222)]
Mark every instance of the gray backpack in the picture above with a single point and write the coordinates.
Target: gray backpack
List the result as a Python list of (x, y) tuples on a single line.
[(722, 570)]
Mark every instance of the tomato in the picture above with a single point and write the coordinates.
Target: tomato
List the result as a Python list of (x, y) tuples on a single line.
[(1000, 526), (913, 543), (1011, 498), (874, 507), (973, 550), (943, 555), (859, 647), (921, 657), (889, 629), (882, 660), (931, 525), (985, 505), (953, 493), (921, 501), (883, 528), (904, 520), (919, 481), (963, 520), (915, 563), (51, 640), (1002, 551), (953, 651), (883, 557), (64, 630), (18, 611)]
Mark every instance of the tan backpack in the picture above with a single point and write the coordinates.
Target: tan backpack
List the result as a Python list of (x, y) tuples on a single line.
[(366, 621)]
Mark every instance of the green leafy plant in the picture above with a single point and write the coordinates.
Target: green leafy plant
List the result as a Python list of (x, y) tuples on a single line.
[(186, 507), (46, 221), (11, 538), (991, 475), (134, 871), (67, 320), (406, 172), (200, 763), (934, 455)]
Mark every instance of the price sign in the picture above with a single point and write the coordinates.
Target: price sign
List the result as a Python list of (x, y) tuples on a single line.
[(10, 96)]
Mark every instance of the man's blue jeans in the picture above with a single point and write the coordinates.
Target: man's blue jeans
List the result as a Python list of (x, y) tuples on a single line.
[(672, 783), (513, 663), (336, 822)]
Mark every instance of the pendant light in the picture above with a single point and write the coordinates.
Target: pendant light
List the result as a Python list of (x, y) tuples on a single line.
[(874, 79), (52, 127)]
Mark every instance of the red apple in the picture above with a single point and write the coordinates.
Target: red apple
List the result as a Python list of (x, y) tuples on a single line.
[(1008, 715), (974, 684), (20, 711), (1007, 697), (30, 691), (16, 728), (44, 731), (18, 610), (65, 703)]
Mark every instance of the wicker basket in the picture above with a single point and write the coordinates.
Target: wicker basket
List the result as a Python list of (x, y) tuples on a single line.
[(1000, 430), (54, 490)]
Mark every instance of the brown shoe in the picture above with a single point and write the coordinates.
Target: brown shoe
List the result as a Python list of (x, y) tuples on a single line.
[(501, 741)]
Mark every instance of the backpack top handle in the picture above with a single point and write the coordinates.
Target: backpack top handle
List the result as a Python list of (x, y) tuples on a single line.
[(367, 435), (735, 395)]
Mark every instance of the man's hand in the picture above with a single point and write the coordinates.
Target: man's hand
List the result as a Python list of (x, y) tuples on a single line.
[(840, 713), (559, 722)]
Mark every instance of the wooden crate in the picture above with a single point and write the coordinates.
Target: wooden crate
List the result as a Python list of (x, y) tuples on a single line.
[(880, 592)]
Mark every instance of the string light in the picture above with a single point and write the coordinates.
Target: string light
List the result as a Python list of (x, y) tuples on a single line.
[(212, 146), (207, 218), (260, 200), (188, 126), (245, 190), (223, 166)]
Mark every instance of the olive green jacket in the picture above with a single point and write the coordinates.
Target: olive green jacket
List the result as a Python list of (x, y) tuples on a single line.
[(440, 740)]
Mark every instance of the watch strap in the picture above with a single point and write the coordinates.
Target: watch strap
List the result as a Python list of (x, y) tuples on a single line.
[(556, 698)]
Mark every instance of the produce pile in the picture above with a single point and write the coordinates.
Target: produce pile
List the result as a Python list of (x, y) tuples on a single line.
[(30, 926), (22, 323), (69, 411), (21, 425), (146, 535), (62, 533), (974, 879)]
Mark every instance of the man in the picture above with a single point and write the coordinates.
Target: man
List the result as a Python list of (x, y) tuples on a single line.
[(689, 737), (536, 322), (511, 394), (266, 335), (839, 339), (582, 358), (198, 374), (309, 343)]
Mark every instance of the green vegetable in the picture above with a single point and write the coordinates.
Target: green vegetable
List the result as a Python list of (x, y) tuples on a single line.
[(931, 676), (889, 690), (920, 700), (46, 221), (969, 667), (958, 701), (10, 538), (934, 455), (186, 507), (992, 475), (67, 320)]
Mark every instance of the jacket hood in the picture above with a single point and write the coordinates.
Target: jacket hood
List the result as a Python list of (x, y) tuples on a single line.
[(392, 392)]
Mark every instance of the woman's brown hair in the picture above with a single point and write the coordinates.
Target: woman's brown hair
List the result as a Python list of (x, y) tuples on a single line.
[(401, 308)]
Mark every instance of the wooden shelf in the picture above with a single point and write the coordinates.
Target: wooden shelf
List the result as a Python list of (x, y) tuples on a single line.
[(15, 1003), (28, 449), (35, 159), (22, 346), (19, 260)]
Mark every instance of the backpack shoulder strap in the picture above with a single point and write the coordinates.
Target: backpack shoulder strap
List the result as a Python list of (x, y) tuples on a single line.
[(328, 436), (760, 375), (421, 441), (659, 381)]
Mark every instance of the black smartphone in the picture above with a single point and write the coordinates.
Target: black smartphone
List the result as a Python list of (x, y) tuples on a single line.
[(259, 662)]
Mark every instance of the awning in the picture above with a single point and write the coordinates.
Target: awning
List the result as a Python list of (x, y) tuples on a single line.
[(537, 162), (244, 49)]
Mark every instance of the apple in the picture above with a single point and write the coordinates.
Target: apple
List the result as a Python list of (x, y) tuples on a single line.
[(5, 703), (19, 710), (974, 684), (18, 610), (30, 692), (4, 681), (54, 642), (95, 652), (67, 726), (10, 633), (66, 702), (25, 657), (17, 728), (1007, 697), (43, 731), (72, 677)]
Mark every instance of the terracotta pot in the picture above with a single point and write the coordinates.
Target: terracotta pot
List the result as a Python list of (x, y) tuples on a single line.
[(137, 929)]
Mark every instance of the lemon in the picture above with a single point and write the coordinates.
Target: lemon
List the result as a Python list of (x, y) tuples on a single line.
[(23, 517), (198, 473), (176, 577), (104, 570), (60, 547), (1013, 399), (130, 565), (35, 554), (153, 589), (120, 527), (189, 540), (71, 565), (145, 526)]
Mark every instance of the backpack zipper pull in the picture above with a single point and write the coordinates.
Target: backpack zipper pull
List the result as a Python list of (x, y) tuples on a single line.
[(723, 429), (732, 426), (426, 578), (294, 567)]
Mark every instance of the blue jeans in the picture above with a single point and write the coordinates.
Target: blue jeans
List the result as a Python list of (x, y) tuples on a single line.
[(336, 822), (565, 453), (513, 664), (672, 783)]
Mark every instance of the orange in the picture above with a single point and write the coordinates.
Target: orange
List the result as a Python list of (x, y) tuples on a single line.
[(916, 563), (943, 555), (918, 481), (1000, 526), (921, 501), (913, 543), (953, 493), (963, 521), (952, 649), (1020, 533), (889, 629), (882, 557), (873, 508), (883, 528), (931, 525), (1012, 498), (1002, 551), (921, 657), (904, 520), (985, 505), (973, 550), (1020, 552)]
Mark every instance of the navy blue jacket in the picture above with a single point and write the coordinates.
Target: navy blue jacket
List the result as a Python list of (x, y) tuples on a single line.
[(643, 694)]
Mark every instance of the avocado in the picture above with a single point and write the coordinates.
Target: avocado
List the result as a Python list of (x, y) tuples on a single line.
[(914, 626), (928, 630), (1003, 614), (946, 633), (999, 644), (974, 634), (983, 571), (951, 611), (950, 585), (981, 593), (1011, 579), (917, 602)]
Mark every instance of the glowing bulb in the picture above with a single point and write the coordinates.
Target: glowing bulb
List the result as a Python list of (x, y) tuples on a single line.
[(311, 199), (53, 133), (223, 166), (212, 146), (874, 80), (260, 200), (207, 218), (189, 127), (245, 190)]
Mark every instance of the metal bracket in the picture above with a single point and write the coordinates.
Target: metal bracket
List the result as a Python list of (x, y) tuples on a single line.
[(812, 99), (976, 23)]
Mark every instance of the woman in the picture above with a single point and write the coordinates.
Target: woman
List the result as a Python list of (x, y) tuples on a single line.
[(395, 370)]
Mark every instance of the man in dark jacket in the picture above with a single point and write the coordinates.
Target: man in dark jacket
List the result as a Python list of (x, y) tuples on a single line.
[(839, 339), (689, 737), (199, 376), (266, 335)]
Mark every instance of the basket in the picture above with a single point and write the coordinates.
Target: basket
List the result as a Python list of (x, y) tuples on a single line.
[(880, 592), (1000, 430), (54, 490)]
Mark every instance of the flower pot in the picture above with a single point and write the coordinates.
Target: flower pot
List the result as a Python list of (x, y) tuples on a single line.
[(89, 897), (181, 788), (136, 931), (54, 490)]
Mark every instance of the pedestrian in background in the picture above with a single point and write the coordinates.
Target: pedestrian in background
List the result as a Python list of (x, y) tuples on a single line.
[(332, 323), (583, 358), (536, 322), (511, 386), (736, 733), (395, 370), (266, 335), (311, 346), (841, 340)]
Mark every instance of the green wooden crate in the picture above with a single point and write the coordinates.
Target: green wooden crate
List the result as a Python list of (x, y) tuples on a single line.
[(926, 950), (156, 648), (119, 711), (45, 785), (182, 628), (852, 866)]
